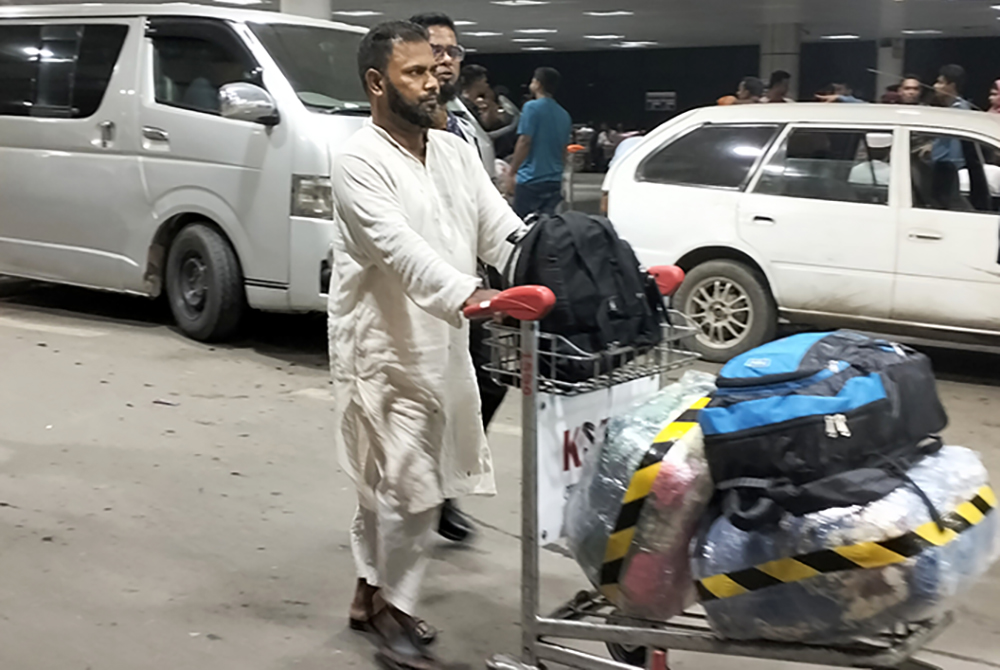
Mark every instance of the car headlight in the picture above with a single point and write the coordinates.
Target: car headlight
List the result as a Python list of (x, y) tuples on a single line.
[(312, 197)]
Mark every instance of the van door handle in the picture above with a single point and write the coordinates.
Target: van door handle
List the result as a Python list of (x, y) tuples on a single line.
[(107, 133), (155, 134), (763, 220), (924, 235)]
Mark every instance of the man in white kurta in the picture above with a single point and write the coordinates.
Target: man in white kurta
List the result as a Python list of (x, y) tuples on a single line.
[(409, 226)]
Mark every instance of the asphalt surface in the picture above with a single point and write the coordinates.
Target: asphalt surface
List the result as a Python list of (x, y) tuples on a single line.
[(168, 505)]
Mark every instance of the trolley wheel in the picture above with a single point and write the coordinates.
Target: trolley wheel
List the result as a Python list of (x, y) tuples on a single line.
[(636, 656)]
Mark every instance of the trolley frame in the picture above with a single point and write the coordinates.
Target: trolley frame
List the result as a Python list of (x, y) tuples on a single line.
[(589, 616)]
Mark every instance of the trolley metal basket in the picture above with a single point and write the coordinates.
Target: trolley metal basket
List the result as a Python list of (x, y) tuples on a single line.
[(528, 359)]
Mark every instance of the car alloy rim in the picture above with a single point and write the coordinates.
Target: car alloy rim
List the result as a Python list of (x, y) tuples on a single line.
[(194, 283), (722, 311)]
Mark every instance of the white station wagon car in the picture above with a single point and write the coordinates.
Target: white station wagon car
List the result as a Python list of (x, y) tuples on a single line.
[(869, 216)]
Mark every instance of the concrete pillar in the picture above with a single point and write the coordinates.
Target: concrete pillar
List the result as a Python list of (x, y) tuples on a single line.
[(891, 54), (780, 46), (314, 9)]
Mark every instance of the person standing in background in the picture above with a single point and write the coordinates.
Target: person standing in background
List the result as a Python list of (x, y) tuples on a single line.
[(540, 153), (911, 90), (750, 91), (455, 117), (995, 98), (781, 81), (950, 86)]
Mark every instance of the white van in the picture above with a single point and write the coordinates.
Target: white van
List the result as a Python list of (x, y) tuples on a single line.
[(174, 148)]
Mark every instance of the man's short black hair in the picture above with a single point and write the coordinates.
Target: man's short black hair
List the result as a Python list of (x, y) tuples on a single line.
[(754, 86), (910, 76), (549, 78), (471, 74), (954, 74), (780, 77), (429, 19), (376, 48)]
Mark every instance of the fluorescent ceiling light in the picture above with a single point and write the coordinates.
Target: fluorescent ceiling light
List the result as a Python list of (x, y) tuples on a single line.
[(536, 31), (617, 12), (528, 40), (465, 23), (482, 33), (356, 13), (537, 49), (604, 37), (639, 44), (844, 36), (520, 3), (995, 6), (929, 31), (241, 2), (471, 50)]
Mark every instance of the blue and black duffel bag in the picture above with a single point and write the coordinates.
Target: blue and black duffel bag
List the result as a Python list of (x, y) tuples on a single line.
[(818, 420)]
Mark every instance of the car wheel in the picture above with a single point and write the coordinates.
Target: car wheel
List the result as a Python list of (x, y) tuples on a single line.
[(731, 308), (204, 284)]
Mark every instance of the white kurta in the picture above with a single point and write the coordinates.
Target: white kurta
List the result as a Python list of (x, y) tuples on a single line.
[(407, 414)]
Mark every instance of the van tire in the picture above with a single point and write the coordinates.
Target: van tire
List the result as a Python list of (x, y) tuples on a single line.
[(204, 284), (731, 306)]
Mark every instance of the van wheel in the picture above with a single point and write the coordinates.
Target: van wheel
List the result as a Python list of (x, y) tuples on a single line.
[(204, 284), (731, 308)]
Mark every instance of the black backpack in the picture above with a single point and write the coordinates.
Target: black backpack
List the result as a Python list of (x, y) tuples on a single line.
[(604, 300)]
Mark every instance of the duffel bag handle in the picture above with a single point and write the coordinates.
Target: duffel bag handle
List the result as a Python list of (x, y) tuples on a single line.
[(763, 512)]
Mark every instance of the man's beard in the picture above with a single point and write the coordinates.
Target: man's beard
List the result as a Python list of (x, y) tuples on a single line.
[(448, 92), (416, 113)]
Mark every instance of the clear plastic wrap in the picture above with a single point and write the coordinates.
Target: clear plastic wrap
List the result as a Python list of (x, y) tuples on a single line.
[(653, 579), (843, 604)]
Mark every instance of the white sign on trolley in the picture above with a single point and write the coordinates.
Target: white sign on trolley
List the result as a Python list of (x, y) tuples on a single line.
[(569, 428)]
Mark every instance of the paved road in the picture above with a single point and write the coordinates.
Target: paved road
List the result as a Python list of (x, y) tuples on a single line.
[(167, 505)]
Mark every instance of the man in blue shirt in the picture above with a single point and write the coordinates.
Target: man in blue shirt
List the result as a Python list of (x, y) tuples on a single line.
[(949, 85), (544, 133)]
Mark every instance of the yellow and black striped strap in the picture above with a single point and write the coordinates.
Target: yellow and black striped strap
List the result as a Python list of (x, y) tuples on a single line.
[(866, 555), (638, 490)]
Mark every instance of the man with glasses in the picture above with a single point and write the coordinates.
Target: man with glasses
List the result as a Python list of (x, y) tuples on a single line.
[(449, 55)]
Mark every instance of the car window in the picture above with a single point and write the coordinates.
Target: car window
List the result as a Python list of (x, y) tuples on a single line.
[(57, 70), (953, 173), (193, 60), (720, 156), (828, 164), (18, 68)]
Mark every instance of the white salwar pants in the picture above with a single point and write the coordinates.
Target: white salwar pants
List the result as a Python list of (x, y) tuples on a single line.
[(391, 551)]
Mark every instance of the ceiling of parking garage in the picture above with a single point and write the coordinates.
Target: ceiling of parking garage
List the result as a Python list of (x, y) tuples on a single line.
[(515, 25)]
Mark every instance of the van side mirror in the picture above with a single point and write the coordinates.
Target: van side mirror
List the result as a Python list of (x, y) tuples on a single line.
[(248, 102)]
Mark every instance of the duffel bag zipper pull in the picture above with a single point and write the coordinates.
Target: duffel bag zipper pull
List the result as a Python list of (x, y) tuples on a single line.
[(842, 428), (831, 426)]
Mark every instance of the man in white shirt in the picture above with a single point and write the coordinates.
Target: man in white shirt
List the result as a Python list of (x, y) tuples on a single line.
[(413, 211)]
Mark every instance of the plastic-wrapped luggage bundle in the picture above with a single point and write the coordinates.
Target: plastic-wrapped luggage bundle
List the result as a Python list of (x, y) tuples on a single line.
[(631, 519), (851, 572)]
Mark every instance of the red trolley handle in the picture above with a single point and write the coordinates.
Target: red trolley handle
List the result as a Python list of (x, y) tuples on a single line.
[(524, 303), (668, 278)]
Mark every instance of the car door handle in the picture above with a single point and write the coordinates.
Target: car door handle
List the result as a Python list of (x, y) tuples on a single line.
[(107, 133), (155, 134), (926, 236), (763, 220)]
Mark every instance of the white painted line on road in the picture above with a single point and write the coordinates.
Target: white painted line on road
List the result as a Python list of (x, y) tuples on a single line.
[(22, 324)]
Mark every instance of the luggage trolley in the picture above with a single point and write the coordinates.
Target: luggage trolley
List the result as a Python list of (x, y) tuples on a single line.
[(524, 357)]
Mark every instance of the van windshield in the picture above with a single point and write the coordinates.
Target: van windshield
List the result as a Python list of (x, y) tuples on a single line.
[(320, 64)]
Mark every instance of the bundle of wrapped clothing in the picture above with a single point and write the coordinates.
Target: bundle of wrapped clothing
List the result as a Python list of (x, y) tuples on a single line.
[(843, 573), (631, 519)]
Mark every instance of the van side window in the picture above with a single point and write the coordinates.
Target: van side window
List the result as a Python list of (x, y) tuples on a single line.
[(194, 59), (836, 165), (953, 173), (57, 70), (719, 156)]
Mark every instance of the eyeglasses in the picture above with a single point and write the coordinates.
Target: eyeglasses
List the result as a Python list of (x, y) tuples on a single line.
[(456, 51)]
